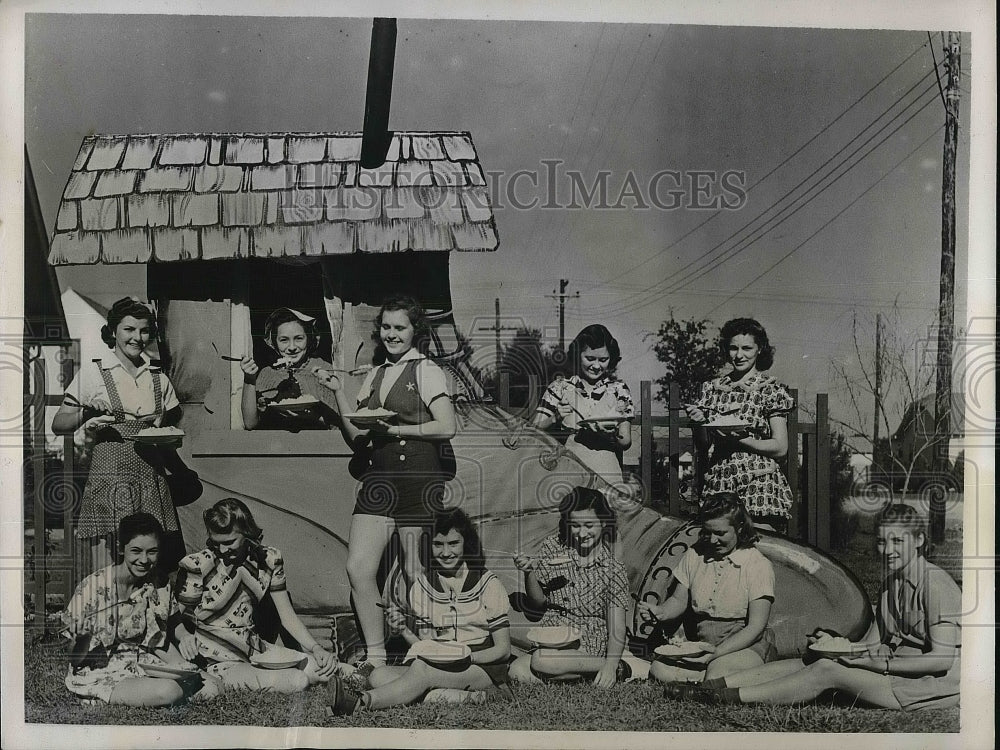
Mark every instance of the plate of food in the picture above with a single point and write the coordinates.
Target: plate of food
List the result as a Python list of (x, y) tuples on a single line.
[(299, 403), (554, 636), (833, 647), (170, 671), (368, 417), (727, 422), (557, 561), (604, 419), (682, 650), (439, 652), (277, 657), (159, 435)]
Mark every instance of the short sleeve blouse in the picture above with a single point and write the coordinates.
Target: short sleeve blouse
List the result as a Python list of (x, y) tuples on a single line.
[(609, 396), (724, 588), (469, 615), (136, 393)]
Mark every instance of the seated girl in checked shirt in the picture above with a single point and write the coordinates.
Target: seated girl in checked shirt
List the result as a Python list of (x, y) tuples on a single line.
[(728, 586), (576, 580)]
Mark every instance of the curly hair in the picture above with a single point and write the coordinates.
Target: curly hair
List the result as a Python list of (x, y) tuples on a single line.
[(456, 520), (910, 519), (747, 327), (230, 514), (593, 336), (123, 308), (729, 505), (585, 498), (417, 317), (284, 315)]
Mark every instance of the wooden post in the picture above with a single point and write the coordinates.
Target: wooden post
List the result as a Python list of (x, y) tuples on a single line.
[(946, 304), (673, 447), (37, 415), (811, 444), (792, 464), (503, 390), (69, 493), (822, 472), (646, 437)]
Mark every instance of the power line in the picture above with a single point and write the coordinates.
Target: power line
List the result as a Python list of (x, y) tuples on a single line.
[(827, 223), (937, 74), (706, 264), (785, 161)]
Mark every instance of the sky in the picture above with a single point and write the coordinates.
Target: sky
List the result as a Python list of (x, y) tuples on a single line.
[(631, 100)]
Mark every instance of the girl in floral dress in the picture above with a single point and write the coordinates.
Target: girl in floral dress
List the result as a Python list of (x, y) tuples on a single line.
[(745, 459), (113, 398), (591, 391), (116, 622)]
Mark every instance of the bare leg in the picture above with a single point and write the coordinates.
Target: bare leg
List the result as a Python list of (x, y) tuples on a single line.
[(520, 670), (765, 673), (409, 540), (737, 661), (248, 677), (807, 683), (673, 673), (146, 691), (420, 677), (565, 662), (368, 539), (384, 675)]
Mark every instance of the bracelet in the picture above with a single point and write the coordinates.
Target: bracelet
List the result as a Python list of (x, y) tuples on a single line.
[(886, 666)]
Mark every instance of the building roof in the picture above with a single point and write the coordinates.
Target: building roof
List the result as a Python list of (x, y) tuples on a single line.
[(160, 198)]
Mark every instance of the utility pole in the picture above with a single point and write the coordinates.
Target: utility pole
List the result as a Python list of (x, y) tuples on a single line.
[(878, 392), (946, 305), (496, 328), (561, 296)]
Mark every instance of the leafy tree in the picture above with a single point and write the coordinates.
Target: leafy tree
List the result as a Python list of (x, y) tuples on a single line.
[(690, 356)]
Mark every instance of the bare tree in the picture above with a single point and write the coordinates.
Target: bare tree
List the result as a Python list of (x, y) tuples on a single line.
[(896, 387)]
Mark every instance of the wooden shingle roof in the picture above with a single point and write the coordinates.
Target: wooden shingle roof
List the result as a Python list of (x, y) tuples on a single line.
[(159, 198)]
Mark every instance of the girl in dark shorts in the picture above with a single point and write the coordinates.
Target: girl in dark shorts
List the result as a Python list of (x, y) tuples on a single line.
[(404, 480), (456, 600)]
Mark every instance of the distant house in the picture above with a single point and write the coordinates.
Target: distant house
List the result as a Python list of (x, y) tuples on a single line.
[(916, 443)]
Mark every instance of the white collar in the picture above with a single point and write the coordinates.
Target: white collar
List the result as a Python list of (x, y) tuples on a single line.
[(110, 361), (411, 354), (740, 556)]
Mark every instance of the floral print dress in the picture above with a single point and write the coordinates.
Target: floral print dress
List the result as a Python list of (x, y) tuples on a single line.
[(758, 480), (124, 628)]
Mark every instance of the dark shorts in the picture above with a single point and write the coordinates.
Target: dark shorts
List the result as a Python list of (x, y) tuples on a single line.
[(404, 481)]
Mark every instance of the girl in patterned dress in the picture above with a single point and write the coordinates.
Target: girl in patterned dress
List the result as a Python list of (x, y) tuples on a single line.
[(112, 399), (591, 391), (576, 580), (727, 587), (456, 600), (293, 336), (403, 483), (117, 622), (744, 459), (909, 659)]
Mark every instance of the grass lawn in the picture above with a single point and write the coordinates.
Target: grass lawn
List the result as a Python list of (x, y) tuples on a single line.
[(631, 707)]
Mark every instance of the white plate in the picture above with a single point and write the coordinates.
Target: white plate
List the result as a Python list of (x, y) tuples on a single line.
[(681, 650), (156, 438), (553, 636), (440, 652), (277, 657), (298, 404), (361, 418), (168, 671), (727, 425), (616, 418), (557, 561)]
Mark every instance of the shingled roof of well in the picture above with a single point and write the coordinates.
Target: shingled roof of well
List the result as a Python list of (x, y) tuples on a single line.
[(156, 198)]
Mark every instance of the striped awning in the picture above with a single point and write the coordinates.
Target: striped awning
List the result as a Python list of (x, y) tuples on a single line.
[(162, 198)]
